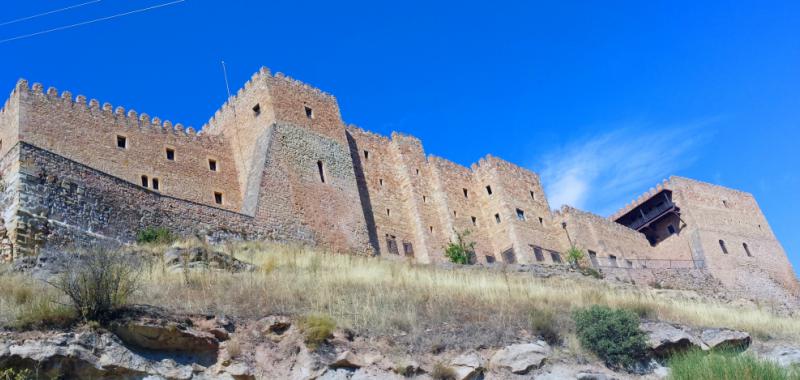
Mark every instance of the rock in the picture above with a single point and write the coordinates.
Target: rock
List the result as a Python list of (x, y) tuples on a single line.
[(664, 338), (591, 376), (725, 339), (275, 325), (177, 259), (468, 366), (169, 337), (347, 359), (520, 358), (784, 356), (240, 371), (335, 374)]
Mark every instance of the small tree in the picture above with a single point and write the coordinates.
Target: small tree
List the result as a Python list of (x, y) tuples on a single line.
[(155, 235), (612, 334), (460, 251), (98, 281), (574, 256)]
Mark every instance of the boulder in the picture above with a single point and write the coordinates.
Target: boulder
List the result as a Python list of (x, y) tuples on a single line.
[(520, 358), (347, 359), (784, 356), (240, 371), (725, 339), (467, 366), (664, 338), (177, 259), (275, 325)]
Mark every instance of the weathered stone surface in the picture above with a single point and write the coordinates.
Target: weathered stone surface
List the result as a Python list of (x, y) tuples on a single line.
[(664, 338), (725, 339), (347, 359), (468, 366), (178, 259), (784, 356), (520, 358)]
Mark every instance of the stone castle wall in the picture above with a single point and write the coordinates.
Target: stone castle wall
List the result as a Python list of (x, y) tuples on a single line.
[(289, 170)]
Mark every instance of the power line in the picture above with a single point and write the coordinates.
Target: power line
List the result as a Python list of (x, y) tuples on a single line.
[(65, 27), (49, 12)]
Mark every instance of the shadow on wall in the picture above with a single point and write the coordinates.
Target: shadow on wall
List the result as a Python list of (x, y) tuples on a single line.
[(363, 194)]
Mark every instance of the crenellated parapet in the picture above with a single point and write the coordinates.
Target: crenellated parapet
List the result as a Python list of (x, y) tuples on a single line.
[(108, 114)]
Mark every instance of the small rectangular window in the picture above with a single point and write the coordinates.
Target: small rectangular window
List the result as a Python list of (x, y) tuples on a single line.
[(122, 142), (388, 212), (533, 195), (391, 244), (555, 256), (218, 197), (366, 155), (417, 171), (489, 190), (430, 228), (541, 221), (521, 215), (212, 164), (155, 184), (170, 154), (257, 110), (424, 199), (612, 260), (145, 181), (497, 218), (474, 221), (593, 258), (380, 182), (538, 253), (671, 229), (408, 249), (466, 193), (309, 112)]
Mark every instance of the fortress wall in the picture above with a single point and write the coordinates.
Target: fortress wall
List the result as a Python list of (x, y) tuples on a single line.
[(381, 190), (458, 209), (299, 203), (290, 97), (588, 231), (9, 119), (715, 213), (67, 204), (521, 190), (494, 204), (88, 134)]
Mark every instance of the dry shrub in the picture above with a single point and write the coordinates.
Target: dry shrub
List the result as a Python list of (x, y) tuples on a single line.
[(545, 323), (443, 372), (234, 348), (317, 328)]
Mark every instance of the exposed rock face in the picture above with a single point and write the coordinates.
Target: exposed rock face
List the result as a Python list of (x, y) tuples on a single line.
[(178, 259), (520, 358), (725, 339), (664, 338), (468, 366)]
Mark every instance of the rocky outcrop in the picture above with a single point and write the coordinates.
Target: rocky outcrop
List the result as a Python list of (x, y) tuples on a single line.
[(785, 356), (725, 339), (178, 259), (664, 338), (520, 358), (468, 366)]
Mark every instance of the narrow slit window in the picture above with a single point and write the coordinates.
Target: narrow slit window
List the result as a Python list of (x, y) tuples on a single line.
[(417, 171), (725, 203), (533, 195), (257, 110), (474, 221), (122, 142), (497, 218), (145, 181), (170, 154), (489, 190), (380, 182), (747, 250), (309, 112), (723, 247), (388, 212), (321, 169), (431, 228), (455, 214), (155, 184), (466, 193), (212, 164), (218, 197), (424, 199), (521, 215), (366, 155), (541, 221)]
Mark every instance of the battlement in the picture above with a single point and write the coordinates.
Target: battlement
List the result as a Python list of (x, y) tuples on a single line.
[(108, 114)]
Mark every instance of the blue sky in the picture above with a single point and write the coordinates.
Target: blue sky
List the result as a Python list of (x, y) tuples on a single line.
[(603, 99)]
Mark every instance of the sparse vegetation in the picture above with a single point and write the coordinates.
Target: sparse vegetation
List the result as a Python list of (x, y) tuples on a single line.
[(443, 372), (574, 256), (699, 365), (155, 235), (545, 323), (460, 251), (98, 282), (28, 304), (13, 374), (591, 272), (612, 334), (317, 328)]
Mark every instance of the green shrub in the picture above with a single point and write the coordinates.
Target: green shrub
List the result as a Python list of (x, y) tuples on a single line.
[(612, 334), (698, 365), (155, 235), (544, 323), (592, 272), (574, 256), (317, 328), (13, 374), (461, 251)]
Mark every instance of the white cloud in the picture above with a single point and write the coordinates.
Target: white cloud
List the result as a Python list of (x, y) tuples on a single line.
[(601, 173)]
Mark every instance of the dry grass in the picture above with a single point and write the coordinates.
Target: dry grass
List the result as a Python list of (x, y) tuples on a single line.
[(419, 305), (26, 303)]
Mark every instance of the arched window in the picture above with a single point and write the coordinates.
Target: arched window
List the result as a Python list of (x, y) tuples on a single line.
[(747, 250), (321, 169), (722, 245)]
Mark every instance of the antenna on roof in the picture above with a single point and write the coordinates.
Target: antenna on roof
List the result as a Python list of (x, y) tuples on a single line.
[(225, 74)]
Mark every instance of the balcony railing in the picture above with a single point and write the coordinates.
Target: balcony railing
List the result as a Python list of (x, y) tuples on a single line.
[(647, 217)]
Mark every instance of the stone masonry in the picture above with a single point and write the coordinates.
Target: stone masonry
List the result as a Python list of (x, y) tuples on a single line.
[(277, 162)]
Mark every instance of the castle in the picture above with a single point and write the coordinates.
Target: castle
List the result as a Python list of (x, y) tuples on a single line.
[(277, 162)]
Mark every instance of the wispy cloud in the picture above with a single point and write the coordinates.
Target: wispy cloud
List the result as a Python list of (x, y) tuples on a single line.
[(602, 172)]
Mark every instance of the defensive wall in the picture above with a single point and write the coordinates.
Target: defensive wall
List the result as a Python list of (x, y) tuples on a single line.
[(277, 162)]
